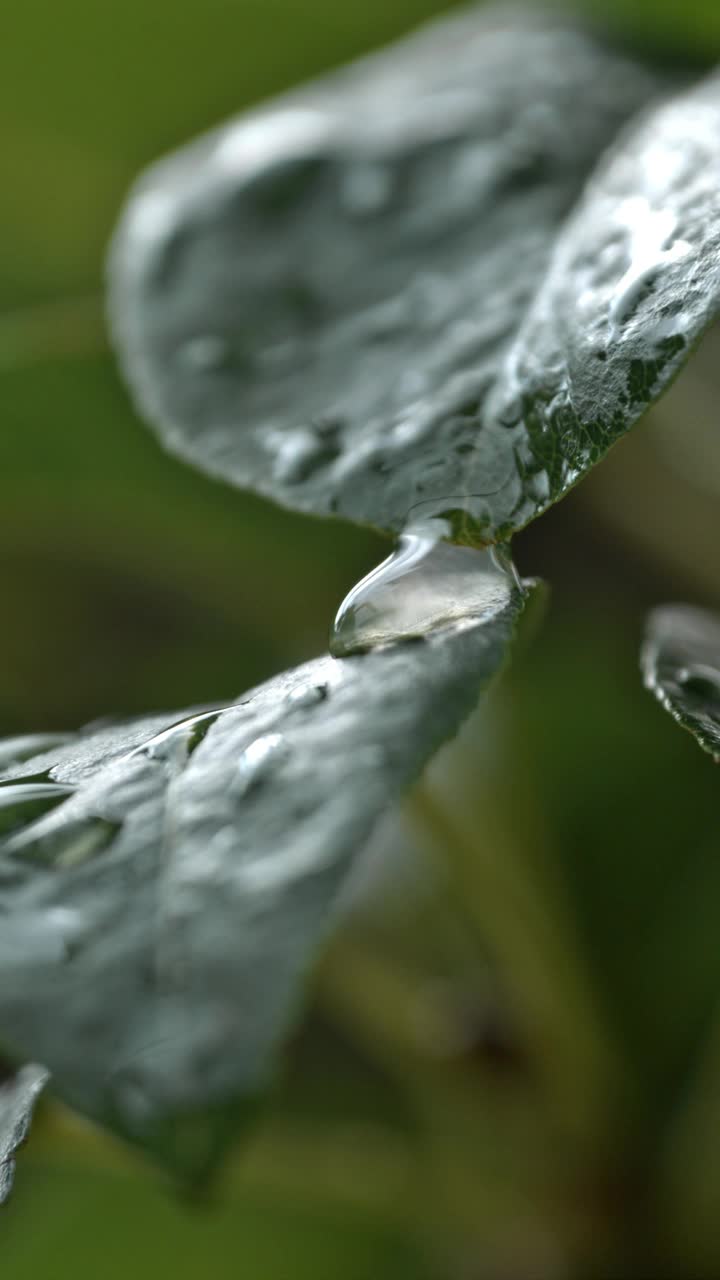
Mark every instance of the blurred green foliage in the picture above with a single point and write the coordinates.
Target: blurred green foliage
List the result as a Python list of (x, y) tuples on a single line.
[(568, 1115)]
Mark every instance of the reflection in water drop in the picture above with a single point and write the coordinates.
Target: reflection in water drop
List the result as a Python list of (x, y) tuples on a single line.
[(425, 584)]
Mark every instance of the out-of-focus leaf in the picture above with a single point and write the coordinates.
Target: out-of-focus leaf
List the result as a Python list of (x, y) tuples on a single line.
[(681, 666), (17, 1099), (164, 885), (315, 300)]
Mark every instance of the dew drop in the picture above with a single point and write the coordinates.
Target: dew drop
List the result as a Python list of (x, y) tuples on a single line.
[(204, 352), (366, 190), (652, 247), (26, 778), (424, 585), (178, 740), (63, 845), (257, 762), (701, 682), (307, 695), (301, 453), (501, 556), (134, 1099), (271, 137)]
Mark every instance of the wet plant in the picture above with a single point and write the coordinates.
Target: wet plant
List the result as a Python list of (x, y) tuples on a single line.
[(425, 294)]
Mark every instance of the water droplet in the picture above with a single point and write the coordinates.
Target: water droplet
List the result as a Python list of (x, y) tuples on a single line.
[(154, 217), (501, 556), (300, 453), (22, 801), (366, 189), (424, 585), (179, 740), (134, 1099), (258, 761), (307, 695), (278, 354), (701, 682), (204, 352), (63, 845), (270, 137), (651, 247), (45, 777)]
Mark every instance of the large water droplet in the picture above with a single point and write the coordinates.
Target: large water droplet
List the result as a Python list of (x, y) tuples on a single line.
[(424, 585)]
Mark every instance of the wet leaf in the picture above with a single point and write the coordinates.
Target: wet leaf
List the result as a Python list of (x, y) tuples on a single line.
[(634, 283), (157, 921), (18, 1096), (316, 300), (681, 666)]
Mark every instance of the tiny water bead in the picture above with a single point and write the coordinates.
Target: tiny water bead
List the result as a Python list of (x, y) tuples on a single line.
[(424, 585)]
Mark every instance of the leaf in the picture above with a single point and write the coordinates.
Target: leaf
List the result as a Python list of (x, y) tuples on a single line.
[(315, 300), (634, 282), (681, 665), (160, 913), (18, 1096)]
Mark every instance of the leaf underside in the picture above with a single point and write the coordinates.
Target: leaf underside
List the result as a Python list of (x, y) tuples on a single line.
[(681, 667), (358, 300), (160, 915)]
